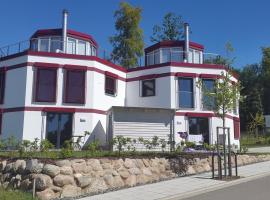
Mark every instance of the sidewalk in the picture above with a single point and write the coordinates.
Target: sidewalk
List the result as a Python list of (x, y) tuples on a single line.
[(183, 187)]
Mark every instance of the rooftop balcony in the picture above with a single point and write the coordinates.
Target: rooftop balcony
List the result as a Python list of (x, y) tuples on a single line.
[(79, 47)]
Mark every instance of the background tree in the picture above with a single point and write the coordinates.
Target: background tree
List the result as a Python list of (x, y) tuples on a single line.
[(265, 78), (170, 29), (251, 92), (128, 42)]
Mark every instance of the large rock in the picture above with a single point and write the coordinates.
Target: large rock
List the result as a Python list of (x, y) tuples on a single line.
[(66, 170), (62, 163), (10, 167), (147, 172), (131, 181), (61, 180), (134, 171), (3, 165), (139, 163), (81, 167), (117, 164), (129, 163), (32, 166), (123, 173), (42, 181), (95, 164), (98, 185), (83, 181), (47, 194), (146, 162), (51, 170), (25, 184), (20, 166), (70, 191)]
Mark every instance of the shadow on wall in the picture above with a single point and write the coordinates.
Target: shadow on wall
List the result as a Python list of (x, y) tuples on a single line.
[(98, 133)]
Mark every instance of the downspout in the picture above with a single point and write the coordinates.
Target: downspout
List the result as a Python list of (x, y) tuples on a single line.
[(186, 32), (64, 31)]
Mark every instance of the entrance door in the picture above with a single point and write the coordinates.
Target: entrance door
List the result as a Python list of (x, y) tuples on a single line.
[(199, 126), (59, 128)]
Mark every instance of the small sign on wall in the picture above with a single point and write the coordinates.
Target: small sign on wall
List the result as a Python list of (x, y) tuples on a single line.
[(82, 120)]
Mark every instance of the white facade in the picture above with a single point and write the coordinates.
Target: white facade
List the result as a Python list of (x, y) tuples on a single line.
[(26, 118)]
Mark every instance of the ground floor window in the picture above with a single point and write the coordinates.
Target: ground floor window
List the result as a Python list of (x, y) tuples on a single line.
[(199, 126), (59, 128)]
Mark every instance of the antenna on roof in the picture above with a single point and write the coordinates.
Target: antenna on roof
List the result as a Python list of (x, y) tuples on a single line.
[(186, 29)]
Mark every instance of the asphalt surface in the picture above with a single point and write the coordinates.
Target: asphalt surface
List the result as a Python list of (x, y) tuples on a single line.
[(258, 189)]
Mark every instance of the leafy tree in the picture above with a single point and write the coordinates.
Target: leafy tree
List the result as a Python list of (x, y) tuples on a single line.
[(266, 79), (170, 29), (128, 42)]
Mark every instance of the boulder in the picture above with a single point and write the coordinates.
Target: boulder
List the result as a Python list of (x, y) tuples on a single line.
[(47, 194), (51, 170), (66, 170), (10, 167), (70, 191), (3, 165), (95, 164), (83, 181), (129, 163), (63, 163), (146, 162), (106, 166), (42, 181), (123, 173), (20, 166), (109, 180), (25, 184), (117, 164), (98, 185), (81, 167), (32, 166), (131, 181), (134, 171), (147, 172), (139, 163), (61, 180)]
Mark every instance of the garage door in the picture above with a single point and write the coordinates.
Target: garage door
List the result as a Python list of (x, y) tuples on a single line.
[(145, 124)]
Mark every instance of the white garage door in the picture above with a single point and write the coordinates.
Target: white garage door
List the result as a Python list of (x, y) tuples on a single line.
[(145, 124)]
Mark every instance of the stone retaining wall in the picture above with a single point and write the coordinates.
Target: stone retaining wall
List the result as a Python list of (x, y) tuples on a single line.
[(76, 177)]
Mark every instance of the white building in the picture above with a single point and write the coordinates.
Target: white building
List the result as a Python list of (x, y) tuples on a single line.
[(56, 90)]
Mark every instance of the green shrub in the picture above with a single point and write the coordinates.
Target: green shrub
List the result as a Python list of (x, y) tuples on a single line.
[(190, 144), (67, 150), (45, 145), (93, 146), (120, 142)]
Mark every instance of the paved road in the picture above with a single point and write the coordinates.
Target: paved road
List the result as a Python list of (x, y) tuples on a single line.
[(258, 189)]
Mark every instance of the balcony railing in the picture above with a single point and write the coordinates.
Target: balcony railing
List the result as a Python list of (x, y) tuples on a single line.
[(50, 45)]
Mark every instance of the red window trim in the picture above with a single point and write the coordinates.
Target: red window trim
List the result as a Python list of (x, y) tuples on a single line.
[(111, 74), (184, 74), (66, 86), (37, 84), (115, 85)]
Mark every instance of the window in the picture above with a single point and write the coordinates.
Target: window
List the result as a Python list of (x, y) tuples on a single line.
[(55, 44), (46, 85), (75, 86), (148, 88), (94, 51), (236, 128), (2, 85), (208, 102), (176, 54), (186, 96), (44, 44), (81, 47), (165, 55), (196, 56), (71, 46), (199, 126), (150, 58), (157, 57), (110, 85)]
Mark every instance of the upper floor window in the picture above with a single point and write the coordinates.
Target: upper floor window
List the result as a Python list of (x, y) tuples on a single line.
[(110, 85), (2, 85), (81, 47), (208, 101), (46, 85), (71, 46), (186, 94), (56, 44), (75, 86), (148, 88)]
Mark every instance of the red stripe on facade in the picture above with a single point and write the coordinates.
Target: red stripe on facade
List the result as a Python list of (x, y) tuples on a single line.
[(46, 65), (75, 67), (200, 114), (212, 76), (182, 74)]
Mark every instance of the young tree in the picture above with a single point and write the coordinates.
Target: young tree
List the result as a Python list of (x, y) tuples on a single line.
[(170, 29), (128, 42), (225, 97)]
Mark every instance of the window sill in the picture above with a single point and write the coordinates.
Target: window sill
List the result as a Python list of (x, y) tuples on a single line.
[(111, 95)]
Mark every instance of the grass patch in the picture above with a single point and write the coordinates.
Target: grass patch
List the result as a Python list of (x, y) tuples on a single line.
[(253, 141), (7, 194)]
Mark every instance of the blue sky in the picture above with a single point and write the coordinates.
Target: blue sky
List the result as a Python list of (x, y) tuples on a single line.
[(245, 23)]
